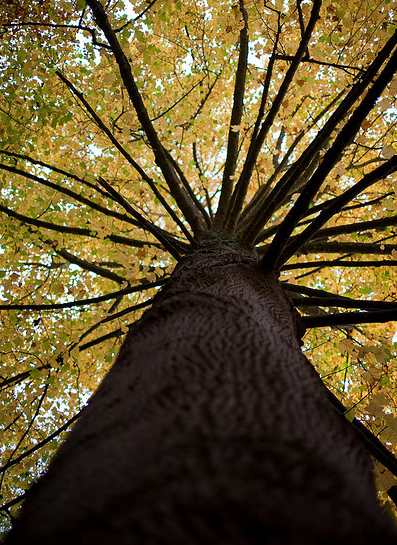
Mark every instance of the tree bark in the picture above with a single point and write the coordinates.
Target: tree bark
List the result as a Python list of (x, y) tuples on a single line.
[(211, 428)]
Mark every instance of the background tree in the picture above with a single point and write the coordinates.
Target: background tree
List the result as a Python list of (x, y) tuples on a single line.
[(131, 131)]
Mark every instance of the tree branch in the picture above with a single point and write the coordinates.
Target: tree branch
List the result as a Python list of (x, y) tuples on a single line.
[(69, 193), (40, 445), (296, 170), (54, 169), (167, 240), (182, 199), (349, 318), (275, 255), (340, 263), (73, 230), (124, 152), (348, 247), (85, 302), (243, 182), (381, 172), (344, 302), (235, 121)]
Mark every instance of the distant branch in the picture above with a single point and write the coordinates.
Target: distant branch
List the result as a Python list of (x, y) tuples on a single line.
[(310, 60), (91, 31), (40, 445)]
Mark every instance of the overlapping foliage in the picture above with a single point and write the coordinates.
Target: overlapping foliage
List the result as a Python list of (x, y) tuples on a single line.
[(130, 129)]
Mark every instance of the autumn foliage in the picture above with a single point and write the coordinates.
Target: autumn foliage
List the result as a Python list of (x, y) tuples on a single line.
[(129, 130)]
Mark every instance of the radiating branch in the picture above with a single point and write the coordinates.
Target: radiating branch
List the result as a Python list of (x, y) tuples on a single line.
[(182, 199), (349, 318), (86, 302), (343, 302), (188, 188), (41, 444), (381, 172), (365, 248), (69, 193), (373, 444), (339, 263), (243, 182), (85, 265), (118, 239), (235, 121), (310, 60), (167, 240), (78, 179), (296, 170), (256, 204), (275, 255), (124, 152)]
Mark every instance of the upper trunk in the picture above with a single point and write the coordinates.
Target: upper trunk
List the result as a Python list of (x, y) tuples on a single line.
[(212, 427)]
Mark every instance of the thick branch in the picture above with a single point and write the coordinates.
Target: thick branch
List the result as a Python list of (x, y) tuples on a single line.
[(182, 199), (340, 263), (235, 120), (124, 152), (243, 183), (73, 230), (336, 205), (348, 247), (289, 179), (86, 265), (374, 445), (273, 258), (69, 193), (257, 202), (350, 318), (86, 302), (167, 240), (54, 169), (343, 302)]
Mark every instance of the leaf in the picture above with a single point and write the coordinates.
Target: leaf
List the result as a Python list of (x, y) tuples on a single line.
[(388, 152)]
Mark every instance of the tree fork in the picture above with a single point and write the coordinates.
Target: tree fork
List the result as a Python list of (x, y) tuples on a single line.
[(211, 427)]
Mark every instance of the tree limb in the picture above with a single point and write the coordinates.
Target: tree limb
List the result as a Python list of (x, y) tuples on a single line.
[(243, 182), (275, 255), (235, 121), (349, 318), (379, 173), (182, 199), (296, 170), (124, 152)]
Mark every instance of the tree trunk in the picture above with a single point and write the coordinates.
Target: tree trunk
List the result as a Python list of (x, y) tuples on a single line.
[(211, 428)]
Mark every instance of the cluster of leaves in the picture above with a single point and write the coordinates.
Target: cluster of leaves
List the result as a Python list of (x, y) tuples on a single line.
[(131, 129)]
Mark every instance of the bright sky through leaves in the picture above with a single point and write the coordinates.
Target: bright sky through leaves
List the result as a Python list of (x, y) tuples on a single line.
[(102, 192)]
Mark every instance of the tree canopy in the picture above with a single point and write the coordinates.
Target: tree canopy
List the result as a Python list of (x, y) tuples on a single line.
[(129, 130)]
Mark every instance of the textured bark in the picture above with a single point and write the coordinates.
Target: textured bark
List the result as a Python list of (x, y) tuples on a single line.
[(211, 428)]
